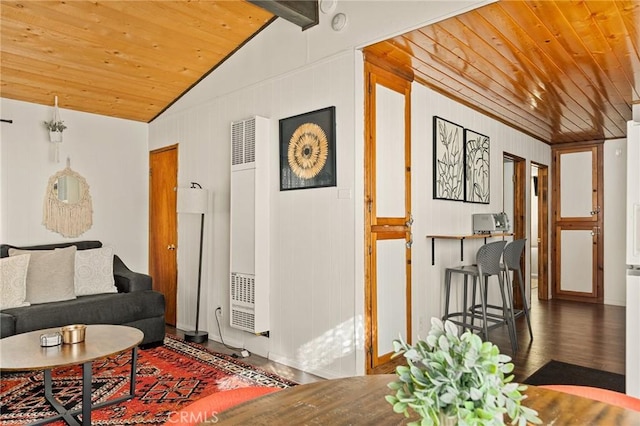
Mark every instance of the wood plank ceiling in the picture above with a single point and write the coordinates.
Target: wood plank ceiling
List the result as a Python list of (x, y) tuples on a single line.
[(126, 59), (559, 71)]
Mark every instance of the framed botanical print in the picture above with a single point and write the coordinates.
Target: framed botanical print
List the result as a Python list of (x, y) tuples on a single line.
[(476, 148), (308, 150), (448, 160)]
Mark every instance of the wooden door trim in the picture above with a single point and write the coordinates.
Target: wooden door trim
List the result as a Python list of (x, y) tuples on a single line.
[(375, 74), (370, 318), (543, 231), (519, 219), (371, 58), (164, 148)]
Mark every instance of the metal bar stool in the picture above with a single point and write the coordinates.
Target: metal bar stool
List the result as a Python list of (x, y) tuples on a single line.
[(511, 257), (487, 264)]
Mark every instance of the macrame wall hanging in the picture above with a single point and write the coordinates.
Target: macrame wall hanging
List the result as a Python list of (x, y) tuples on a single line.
[(67, 204)]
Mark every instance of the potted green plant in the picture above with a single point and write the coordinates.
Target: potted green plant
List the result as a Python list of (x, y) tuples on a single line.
[(55, 130), (451, 379)]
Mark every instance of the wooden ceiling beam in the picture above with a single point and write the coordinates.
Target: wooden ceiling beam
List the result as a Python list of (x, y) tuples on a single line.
[(303, 13)]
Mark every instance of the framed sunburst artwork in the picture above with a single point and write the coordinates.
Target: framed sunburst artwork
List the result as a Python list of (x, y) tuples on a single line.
[(308, 150)]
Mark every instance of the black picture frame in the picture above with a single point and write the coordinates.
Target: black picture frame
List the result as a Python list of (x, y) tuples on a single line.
[(448, 160), (477, 167), (308, 150)]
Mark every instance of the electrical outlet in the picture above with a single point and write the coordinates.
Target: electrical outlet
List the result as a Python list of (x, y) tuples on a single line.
[(219, 310)]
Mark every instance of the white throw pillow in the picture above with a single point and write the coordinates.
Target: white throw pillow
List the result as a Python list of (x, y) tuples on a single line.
[(94, 272), (13, 281), (50, 274)]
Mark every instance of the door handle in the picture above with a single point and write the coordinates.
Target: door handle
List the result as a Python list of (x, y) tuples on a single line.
[(595, 211), (595, 231), (409, 243), (171, 247), (410, 221)]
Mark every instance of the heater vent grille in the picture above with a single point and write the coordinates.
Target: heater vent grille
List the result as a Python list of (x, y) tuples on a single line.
[(243, 301), (243, 288), (243, 320), (237, 151), (250, 141), (243, 142)]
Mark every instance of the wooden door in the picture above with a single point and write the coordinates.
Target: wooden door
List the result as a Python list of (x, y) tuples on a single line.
[(163, 175), (578, 218), (387, 216)]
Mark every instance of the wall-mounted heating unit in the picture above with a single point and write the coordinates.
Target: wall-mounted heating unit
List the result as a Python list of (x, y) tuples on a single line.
[(249, 281)]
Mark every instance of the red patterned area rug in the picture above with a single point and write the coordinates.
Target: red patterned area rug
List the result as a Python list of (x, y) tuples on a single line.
[(168, 378)]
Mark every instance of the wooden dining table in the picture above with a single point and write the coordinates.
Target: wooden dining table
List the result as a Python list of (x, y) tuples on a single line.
[(360, 400)]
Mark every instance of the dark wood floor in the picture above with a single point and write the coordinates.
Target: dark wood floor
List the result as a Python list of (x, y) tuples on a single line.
[(578, 333)]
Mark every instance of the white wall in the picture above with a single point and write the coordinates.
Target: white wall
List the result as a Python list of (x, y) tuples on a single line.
[(312, 233), (110, 153), (615, 184)]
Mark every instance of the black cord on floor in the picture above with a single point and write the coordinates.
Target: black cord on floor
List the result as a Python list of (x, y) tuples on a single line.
[(235, 355)]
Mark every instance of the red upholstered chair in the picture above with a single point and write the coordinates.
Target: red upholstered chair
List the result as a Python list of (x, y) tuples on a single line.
[(207, 407), (602, 395)]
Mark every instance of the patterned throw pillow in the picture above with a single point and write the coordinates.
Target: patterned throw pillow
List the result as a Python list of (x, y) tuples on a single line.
[(13, 281), (94, 272), (50, 274)]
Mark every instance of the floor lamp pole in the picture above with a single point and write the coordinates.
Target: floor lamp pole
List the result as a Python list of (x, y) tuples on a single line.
[(198, 336)]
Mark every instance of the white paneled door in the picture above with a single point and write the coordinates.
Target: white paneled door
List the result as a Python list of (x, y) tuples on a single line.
[(388, 216), (578, 224)]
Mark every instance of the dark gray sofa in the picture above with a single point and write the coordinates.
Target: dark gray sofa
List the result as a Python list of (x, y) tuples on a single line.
[(135, 304)]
